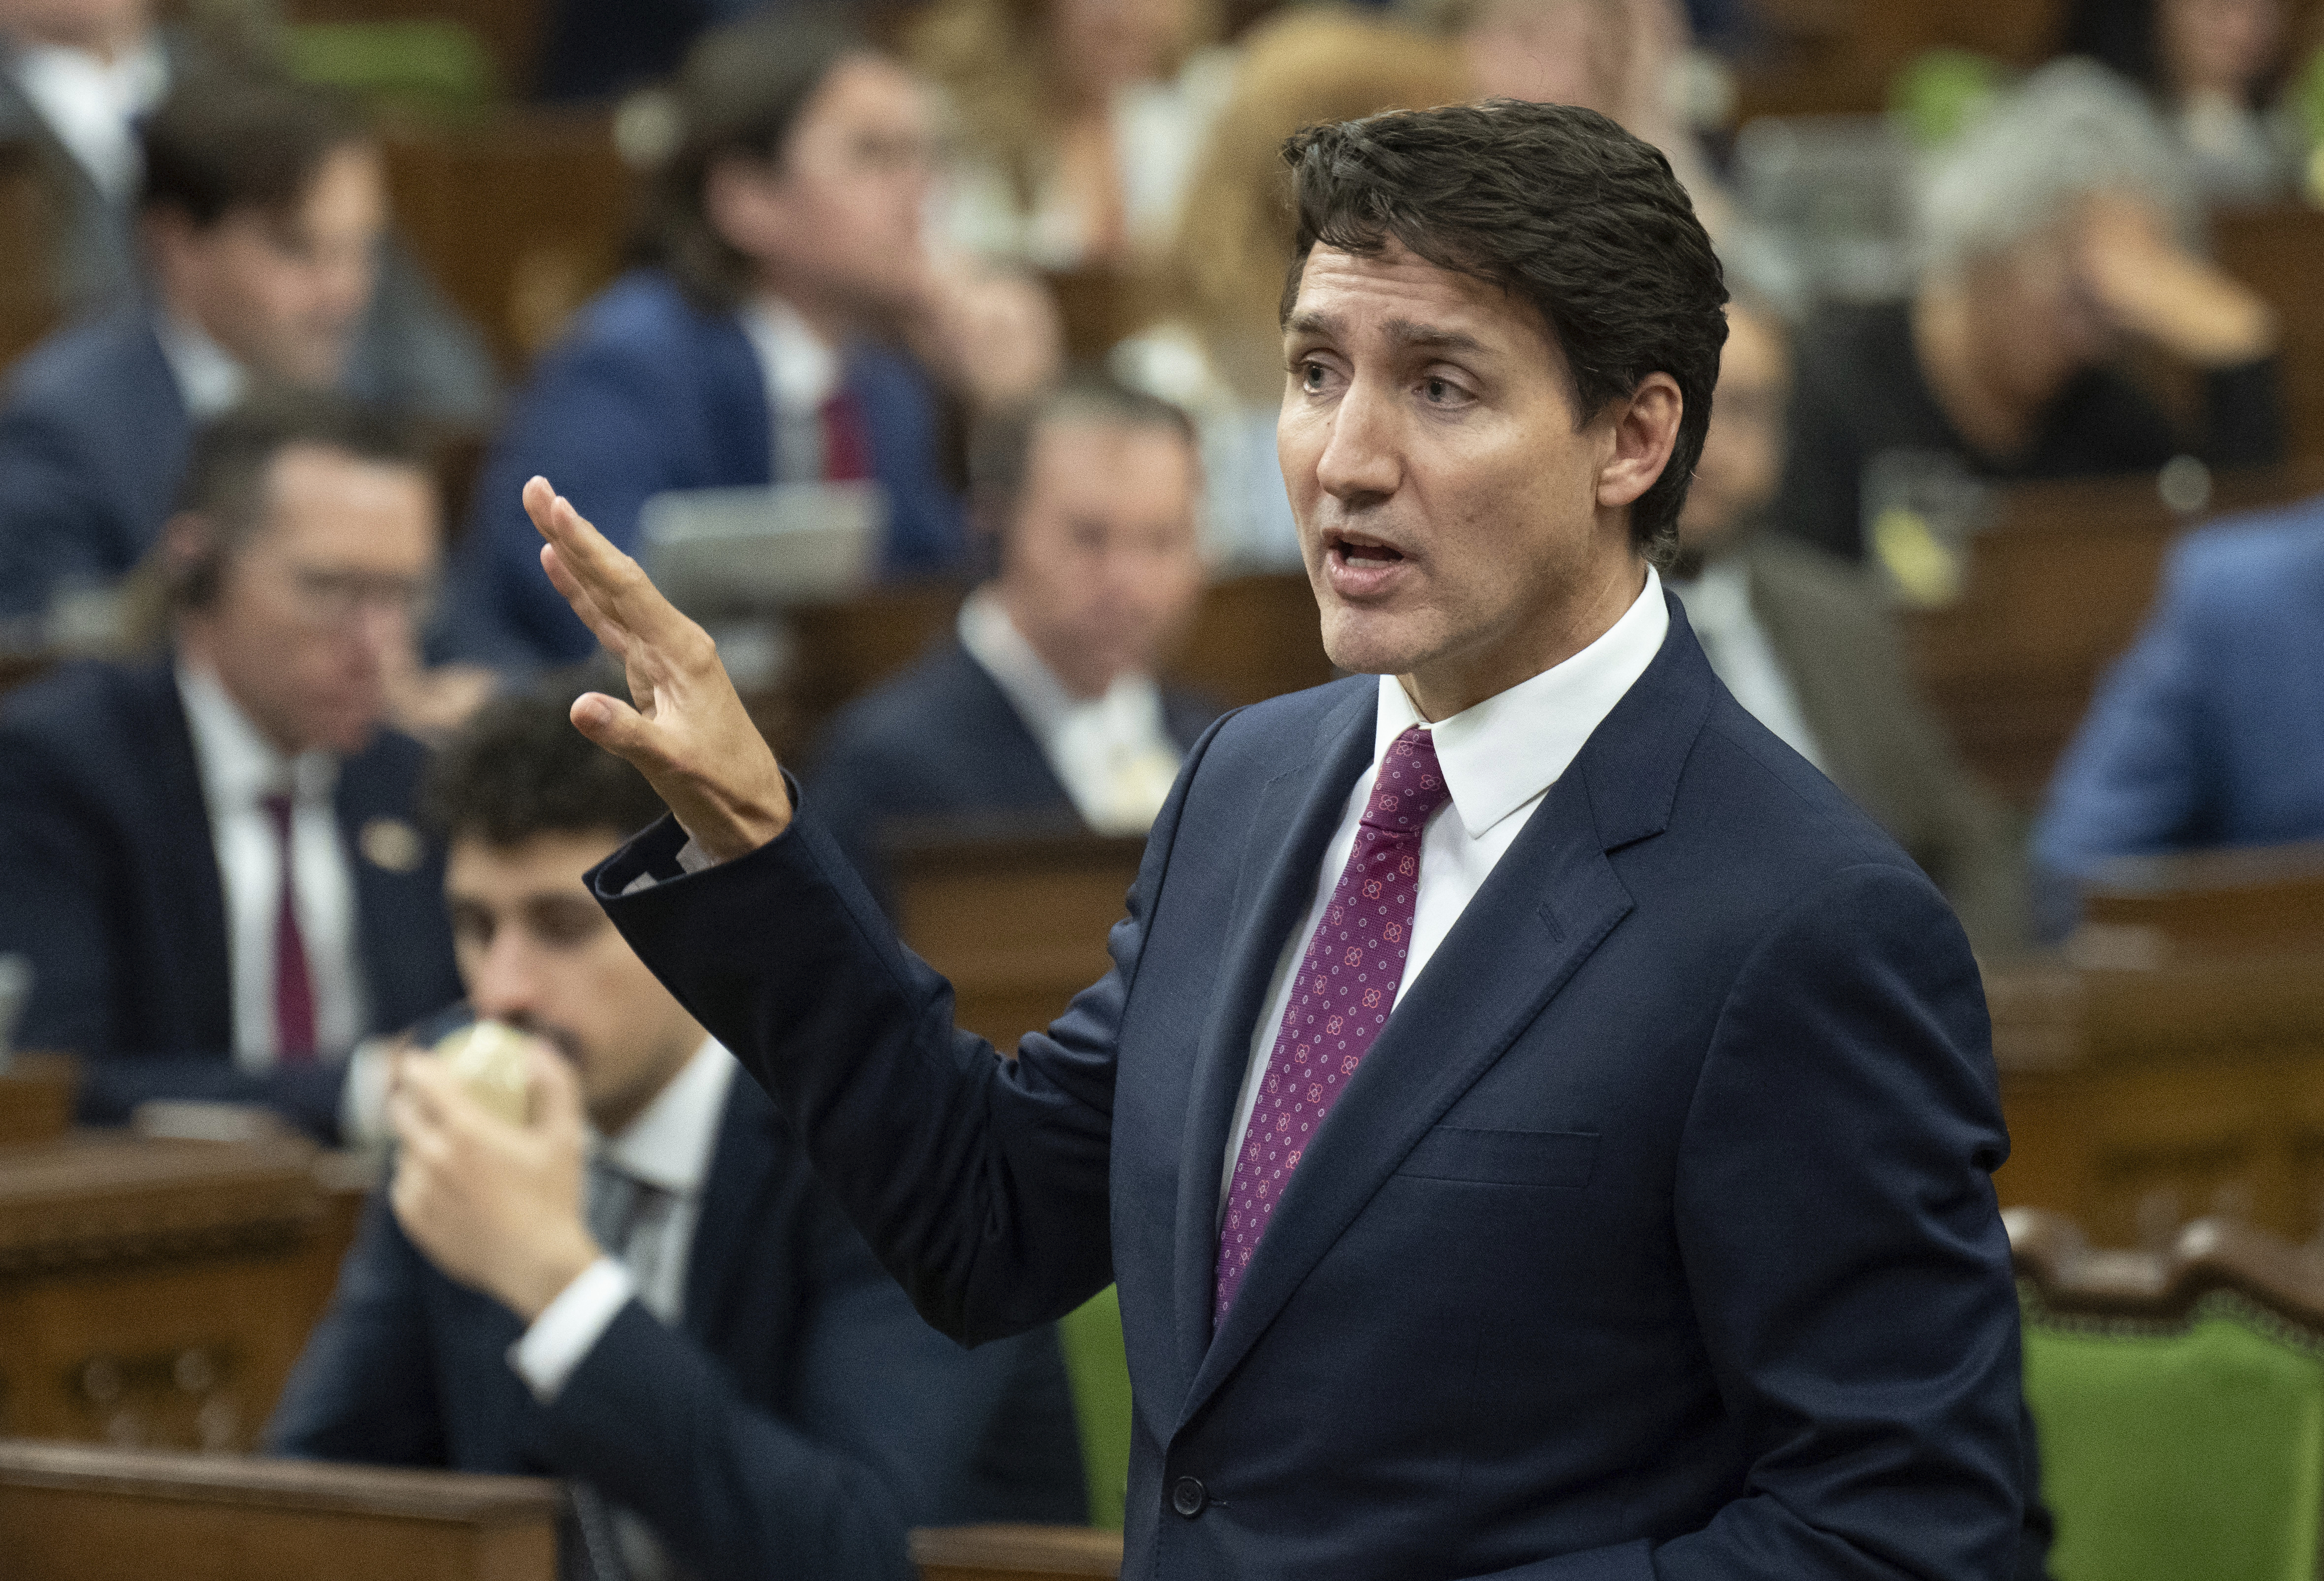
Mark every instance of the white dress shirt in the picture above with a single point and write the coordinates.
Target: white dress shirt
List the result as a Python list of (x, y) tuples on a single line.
[(1499, 758), (669, 1146), (802, 370), (208, 380), (92, 107), (1718, 607), (1113, 753), (240, 768)]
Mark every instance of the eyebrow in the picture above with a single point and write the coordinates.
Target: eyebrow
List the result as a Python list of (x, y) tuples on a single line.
[(1403, 332)]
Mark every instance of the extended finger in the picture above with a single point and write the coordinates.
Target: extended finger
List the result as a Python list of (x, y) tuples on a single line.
[(621, 591), (622, 730)]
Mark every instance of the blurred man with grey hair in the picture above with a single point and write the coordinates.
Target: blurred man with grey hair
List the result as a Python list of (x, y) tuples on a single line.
[(2056, 236)]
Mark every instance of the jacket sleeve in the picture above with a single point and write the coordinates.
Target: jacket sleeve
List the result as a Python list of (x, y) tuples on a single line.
[(364, 1388), (1851, 1279), (881, 1423), (980, 1182)]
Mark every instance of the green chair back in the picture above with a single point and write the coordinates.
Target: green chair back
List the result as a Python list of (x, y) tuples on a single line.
[(430, 68), (1098, 1364), (2178, 1452)]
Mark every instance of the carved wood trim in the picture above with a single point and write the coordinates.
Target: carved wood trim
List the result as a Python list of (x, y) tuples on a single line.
[(960, 1553), (98, 1200), (2074, 1279), (463, 1497)]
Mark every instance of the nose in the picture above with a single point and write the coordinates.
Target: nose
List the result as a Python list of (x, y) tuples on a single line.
[(1359, 465), (504, 986)]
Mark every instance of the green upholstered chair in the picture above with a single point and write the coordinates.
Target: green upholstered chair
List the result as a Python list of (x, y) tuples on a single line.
[(1098, 1366), (430, 68), (2179, 1400)]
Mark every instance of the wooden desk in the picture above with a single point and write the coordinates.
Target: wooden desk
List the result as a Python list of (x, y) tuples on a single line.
[(1015, 1553), (1018, 922), (2170, 1064), (73, 1512), (2279, 251), (2055, 591), (158, 1292)]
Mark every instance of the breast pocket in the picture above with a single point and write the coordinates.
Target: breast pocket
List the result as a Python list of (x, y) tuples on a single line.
[(1504, 1158)]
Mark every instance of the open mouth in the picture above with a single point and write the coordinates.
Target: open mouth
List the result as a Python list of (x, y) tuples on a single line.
[(1361, 554)]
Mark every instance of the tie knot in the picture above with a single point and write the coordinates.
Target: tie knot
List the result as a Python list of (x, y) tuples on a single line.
[(1409, 787), (278, 806)]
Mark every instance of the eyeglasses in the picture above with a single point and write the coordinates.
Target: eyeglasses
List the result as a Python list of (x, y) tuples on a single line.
[(337, 598)]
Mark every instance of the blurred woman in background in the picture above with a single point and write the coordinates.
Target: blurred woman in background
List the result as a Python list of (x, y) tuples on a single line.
[(2213, 70)]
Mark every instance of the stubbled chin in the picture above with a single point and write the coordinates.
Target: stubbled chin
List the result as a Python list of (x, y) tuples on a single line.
[(1370, 642)]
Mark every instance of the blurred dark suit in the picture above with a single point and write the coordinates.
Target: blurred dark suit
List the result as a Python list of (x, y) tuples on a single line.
[(943, 741), (113, 892), (1880, 743), (795, 1425)]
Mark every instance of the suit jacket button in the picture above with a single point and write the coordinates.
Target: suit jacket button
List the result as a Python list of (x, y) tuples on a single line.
[(1187, 1496)]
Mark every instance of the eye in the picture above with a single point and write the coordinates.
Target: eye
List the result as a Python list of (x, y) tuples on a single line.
[(1311, 377)]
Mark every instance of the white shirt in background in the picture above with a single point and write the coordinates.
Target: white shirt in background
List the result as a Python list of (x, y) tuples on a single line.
[(1718, 607), (208, 380), (669, 1146), (93, 106), (239, 768), (1499, 758), (802, 370), (1113, 753)]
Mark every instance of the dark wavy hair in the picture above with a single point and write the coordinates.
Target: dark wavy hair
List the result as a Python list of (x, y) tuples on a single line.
[(519, 770), (1560, 207)]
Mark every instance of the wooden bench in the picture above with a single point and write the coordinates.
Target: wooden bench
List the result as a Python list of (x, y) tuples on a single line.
[(84, 1513)]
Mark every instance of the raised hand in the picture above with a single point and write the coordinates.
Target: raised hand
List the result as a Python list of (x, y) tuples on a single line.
[(689, 733)]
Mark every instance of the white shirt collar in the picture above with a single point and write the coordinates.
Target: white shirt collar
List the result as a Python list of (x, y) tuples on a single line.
[(92, 107), (802, 369), (1504, 752), (238, 764), (670, 1143), (1132, 706), (209, 380)]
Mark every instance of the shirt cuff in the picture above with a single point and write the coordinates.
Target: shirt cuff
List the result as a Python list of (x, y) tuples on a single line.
[(691, 859), (569, 1327)]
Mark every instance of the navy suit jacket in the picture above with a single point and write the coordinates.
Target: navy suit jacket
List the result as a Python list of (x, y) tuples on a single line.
[(796, 1424), (647, 393), (94, 433), (113, 891), (1653, 1238), (942, 741), (2209, 731)]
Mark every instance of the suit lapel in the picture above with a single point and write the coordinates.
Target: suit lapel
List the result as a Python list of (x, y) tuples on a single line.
[(1297, 815), (742, 1169), (191, 891), (1552, 899)]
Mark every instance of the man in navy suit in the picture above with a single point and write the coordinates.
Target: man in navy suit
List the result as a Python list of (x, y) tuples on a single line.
[(1538, 1126), (785, 237), (695, 1335), (2209, 731), (1044, 710), (211, 859)]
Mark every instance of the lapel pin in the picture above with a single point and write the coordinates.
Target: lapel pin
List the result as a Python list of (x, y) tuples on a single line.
[(389, 843)]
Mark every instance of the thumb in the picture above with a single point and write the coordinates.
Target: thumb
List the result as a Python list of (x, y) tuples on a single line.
[(621, 729)]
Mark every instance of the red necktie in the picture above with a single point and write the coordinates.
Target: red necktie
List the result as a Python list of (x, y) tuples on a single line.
[(294, 989), (846, 440), (1340, 999)]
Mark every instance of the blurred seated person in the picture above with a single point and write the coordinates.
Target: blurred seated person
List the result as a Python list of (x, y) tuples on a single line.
[(262, 208), (757, 348), (1807, 645), (212, 863), (2213, 71), (644, 1289), (2209, 731), (78, 77), (2055, 238), (1044, 711), (1078, 121), (1218, 354)]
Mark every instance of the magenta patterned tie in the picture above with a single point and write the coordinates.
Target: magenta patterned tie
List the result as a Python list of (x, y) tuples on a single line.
[(1345, 989)]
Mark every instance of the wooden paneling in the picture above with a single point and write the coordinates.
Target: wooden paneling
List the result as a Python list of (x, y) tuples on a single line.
[(2055, 591), (521, 220), (157, 1292), (2170, 1064), (36, 1098), (2279, 253), (30, 230), (74, 1513), (1015, 1553)]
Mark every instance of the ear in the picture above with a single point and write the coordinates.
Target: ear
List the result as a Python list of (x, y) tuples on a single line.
[(1643, 433), (741, 199), (187, 541)]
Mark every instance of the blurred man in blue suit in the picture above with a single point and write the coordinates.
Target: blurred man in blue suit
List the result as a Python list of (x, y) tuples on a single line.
[(1042, 712), (263, 217), (644, 1290), (785, 234), (212, 863), (1539, 1126), (2209, 731)]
